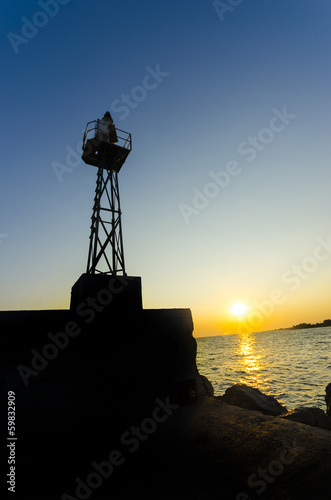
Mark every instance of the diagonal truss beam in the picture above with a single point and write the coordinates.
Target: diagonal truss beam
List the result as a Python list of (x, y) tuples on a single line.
[(106, 242)]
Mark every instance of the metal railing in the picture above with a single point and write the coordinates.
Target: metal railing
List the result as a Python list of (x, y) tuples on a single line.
[(124, 138)]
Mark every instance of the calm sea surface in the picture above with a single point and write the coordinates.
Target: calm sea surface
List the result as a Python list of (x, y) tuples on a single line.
[(294, 366)]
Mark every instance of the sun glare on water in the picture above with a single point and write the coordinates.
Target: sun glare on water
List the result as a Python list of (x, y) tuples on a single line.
[(238, 309)]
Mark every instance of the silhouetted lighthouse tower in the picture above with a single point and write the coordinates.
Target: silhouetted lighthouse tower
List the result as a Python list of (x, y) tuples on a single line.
[(105, 285), (106, 148)]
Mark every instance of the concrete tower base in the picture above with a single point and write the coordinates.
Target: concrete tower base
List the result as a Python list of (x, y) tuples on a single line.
[(120, 293)]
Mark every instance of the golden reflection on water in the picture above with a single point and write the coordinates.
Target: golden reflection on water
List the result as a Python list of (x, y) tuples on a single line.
[(252, 362)]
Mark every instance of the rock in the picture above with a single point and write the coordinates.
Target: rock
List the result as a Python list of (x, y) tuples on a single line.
[(309, 416), (250, 398), (207, 385), (328, 399)]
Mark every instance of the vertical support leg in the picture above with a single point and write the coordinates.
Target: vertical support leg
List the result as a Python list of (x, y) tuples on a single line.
[(106, 228), (95, 224)]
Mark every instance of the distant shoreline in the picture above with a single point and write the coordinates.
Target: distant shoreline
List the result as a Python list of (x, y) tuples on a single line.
[(302, 326)]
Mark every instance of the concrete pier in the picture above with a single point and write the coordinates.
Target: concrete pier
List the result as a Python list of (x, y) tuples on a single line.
[(110, 404)]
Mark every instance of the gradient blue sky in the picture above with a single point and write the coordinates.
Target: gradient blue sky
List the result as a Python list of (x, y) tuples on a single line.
[(224, 77)]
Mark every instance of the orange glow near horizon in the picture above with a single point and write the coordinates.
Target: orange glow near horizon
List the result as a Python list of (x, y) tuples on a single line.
[(254, 320), (212, 314)]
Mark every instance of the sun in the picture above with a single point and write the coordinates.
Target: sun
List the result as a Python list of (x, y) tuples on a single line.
[(239, 309)]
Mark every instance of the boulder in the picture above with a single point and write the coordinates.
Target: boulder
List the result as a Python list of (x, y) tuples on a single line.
[(250, 398), (207, 385), (328, 399), (309, 416)]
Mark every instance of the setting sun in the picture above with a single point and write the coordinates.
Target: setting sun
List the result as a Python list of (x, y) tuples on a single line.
[(239, 309)]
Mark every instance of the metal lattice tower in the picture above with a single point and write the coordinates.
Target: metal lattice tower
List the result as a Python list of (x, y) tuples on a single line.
[(107, 149)]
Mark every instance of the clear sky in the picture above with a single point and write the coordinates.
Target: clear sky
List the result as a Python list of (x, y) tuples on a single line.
[(226, 194)]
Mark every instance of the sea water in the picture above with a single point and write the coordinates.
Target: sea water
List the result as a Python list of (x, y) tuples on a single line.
[(294, 366)]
